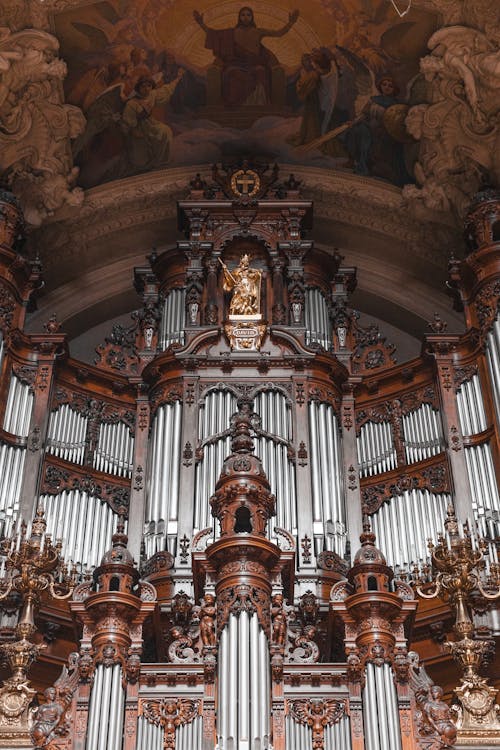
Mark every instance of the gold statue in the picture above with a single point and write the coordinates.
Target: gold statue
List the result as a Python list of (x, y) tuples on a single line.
[(244, 282)]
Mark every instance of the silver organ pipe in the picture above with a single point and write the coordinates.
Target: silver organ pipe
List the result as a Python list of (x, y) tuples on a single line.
[(187, 736), (115, 450), (493, 358), (275, 416), (106, 709), (317, 319), (11, 475), (163, 480), (484, 489), (376, 451), (423, 433), (214, 418), (84, 523), (479, 460), (18, 408), (149, 736), (298, 736), (380, 709), (405, 523), (329, 517), (338, 736), (66, 434), (243, 685), (173, 319), (471, 408)]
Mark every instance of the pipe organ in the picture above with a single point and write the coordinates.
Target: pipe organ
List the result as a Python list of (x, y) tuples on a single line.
[(173, 319), (160, 530), (242, 482), (66, 434), (18, 409)]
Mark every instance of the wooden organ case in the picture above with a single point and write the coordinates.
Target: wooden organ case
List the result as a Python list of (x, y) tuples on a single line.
[(240, 483)]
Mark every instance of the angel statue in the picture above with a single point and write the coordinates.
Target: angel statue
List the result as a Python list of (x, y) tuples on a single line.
[(50, 719), (244, 282), (433, 716)]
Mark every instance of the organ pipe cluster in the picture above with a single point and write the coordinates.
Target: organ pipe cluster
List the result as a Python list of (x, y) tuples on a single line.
[(84, 523), (106, 709), (329, 518), (380, 709), (244, 681), (163, 484)]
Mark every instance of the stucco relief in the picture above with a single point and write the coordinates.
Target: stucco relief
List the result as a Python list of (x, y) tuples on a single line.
[(37, 126), (458, 130)]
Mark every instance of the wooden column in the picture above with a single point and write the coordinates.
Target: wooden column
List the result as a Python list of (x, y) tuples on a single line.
[(352, 488), (45, 348), (442, 348), (138, 485)]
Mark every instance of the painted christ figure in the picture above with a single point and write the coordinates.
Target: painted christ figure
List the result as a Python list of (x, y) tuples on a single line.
[(246, 64)]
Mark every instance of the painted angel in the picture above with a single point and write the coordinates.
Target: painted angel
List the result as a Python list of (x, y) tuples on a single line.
[(146, 139)]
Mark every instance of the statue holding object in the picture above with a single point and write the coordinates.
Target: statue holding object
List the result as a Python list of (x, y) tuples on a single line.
[(244, 283)]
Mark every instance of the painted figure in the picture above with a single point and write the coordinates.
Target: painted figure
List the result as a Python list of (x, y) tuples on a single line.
[(148, 138), (371, 147), (246, 64)]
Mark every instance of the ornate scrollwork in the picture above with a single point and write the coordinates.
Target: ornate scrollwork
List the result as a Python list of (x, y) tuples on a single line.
[(243, 598)]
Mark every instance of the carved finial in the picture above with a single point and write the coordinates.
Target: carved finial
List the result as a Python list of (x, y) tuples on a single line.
[(438, 325), (119, 538), (197, 183), (52, 325), (241, 427), (39, 524), (451, 523), (292, 183), (367, 537)]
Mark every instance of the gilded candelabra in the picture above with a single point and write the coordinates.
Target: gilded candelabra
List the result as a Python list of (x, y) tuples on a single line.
[(33, 565), (460, 572)]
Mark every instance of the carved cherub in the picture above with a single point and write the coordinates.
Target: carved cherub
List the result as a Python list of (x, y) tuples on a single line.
[(207, 620), (317, 714), (279, 620)]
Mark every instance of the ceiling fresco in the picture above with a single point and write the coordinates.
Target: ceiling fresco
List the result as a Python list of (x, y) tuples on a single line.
[(180, 82)]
